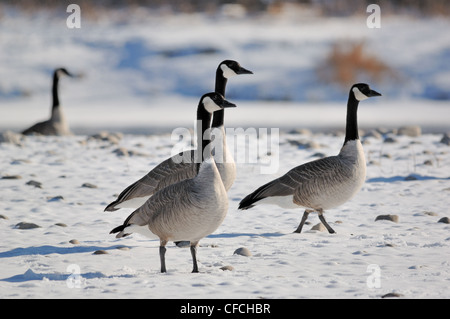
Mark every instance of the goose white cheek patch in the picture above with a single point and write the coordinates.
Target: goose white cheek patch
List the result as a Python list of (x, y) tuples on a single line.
[(227, 72), (210, 106), (359, 95)]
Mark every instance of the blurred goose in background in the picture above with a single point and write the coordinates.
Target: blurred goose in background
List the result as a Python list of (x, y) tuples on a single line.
[(325, 183), (57, 124), (192, 208), (171, 170)]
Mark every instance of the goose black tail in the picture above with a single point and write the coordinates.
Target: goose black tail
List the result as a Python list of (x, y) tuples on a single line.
[(250, 200), (117, 229), (110, 207), (262, 192)]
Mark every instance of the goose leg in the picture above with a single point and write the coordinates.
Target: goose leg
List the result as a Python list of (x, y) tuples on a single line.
[(162, 254), (304, 218), (194, 256), (324, 222)]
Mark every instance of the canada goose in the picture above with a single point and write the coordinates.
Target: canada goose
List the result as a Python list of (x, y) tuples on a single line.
[(57, 124), (325, 183), (171, 170), (188, 210)]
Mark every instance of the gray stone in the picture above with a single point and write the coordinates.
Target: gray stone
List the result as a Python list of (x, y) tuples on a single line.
[(410, 130), (24, 225), (319, 227), (392, 218), (243, 252)]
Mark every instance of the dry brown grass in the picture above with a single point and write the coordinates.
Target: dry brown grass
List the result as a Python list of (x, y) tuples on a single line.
[(348, 63)]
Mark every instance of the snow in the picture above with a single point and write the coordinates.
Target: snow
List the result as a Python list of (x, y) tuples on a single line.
[(143, 77), (412, 255)]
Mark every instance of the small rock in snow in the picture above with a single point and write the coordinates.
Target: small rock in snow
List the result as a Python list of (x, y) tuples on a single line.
[(61, 225), (74, 242), (34, 183), (410, 178), (319, 227), (444, 220), (243, 252), (391, 295), (11, 177), (3, 217), (89, 185), (100, 252), (228, 267), (11, 137), (410, 130), (446, 139), (392, 218), (390, 140), (54, 199), (24, 225)]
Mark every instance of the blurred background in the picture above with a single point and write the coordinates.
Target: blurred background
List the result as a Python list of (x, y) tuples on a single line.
[(143, 61)]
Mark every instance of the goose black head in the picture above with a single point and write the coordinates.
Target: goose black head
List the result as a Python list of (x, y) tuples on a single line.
[(63, 71), (232, 68), (362, 91), (213, 102)]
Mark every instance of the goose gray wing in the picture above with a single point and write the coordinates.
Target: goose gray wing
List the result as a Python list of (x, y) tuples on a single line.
[(44, 128), (165, 204), (168, 172), (301, 182), (317, 179)]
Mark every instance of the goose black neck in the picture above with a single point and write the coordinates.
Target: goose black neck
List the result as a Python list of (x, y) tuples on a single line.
[(351, 130), (203, 135), (221, 83), (55, 96)]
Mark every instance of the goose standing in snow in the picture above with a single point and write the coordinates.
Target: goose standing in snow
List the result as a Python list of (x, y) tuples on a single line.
[(171, 170), (325, 183), (191, 209), (57, 124)]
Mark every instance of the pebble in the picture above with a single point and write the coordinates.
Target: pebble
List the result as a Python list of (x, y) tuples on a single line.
[(391, 295), (444, 220), (24, 225), (319, 227), (243, 252), (89, 185), (410, 178), (121, 151), (11, 177), (3, 217), (390, 140), (61, 225), (374, 134), (410, 130), (11, 137), (392, 218), (430, 213), (54, 199), (228, 267), (100, 252), (113, 138), (74, 242), (34, 183), (446, 139)]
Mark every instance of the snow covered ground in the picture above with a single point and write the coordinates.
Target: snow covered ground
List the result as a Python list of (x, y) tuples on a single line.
[(144, 75), (365, 259)]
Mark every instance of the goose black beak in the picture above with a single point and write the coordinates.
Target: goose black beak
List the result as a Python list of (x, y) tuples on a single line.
[(244, 71), (374, 93), (226, 104)]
